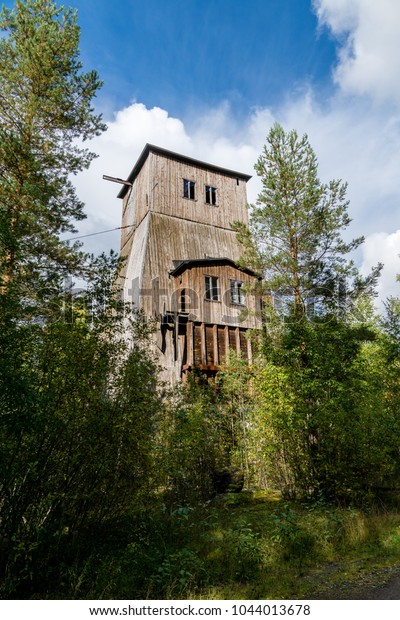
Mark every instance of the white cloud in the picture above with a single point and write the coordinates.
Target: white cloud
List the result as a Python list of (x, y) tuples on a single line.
[(365, 136), (340, 15), (120, 146), (349, 143), (353, 142), (118, 149), (383, 247), (368, 32)]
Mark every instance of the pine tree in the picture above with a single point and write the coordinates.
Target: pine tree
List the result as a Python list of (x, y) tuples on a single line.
[(317, 414), (45, 113), (295, 234)]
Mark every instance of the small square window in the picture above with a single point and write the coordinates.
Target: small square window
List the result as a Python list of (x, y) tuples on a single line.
[(212, 289), (237, 294), (188, 189), (211, 195)]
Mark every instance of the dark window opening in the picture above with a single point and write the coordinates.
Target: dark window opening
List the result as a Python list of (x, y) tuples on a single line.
[(237, 294), (182, 301), (212, 291), (211, 195), (188, 189)]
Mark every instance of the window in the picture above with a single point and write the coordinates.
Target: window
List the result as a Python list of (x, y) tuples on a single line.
[(188, 189), (237, 295), (211, 195), (212, 290)]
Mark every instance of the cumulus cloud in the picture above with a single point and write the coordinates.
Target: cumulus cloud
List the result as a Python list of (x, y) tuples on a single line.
[(355, 134), (118, 149), (383, 247), (368, 34), (366, 114), (351, 143), (120, 146)]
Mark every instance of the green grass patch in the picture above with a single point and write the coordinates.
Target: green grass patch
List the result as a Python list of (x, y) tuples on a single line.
[(244, 546), (260, 547)]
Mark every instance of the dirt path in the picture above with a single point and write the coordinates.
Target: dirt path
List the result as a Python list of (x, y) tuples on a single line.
[(373, 584), (379, 585), (388, 591)]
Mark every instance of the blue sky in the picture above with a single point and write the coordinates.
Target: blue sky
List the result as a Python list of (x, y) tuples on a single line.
[(184, 55), (208, 78)]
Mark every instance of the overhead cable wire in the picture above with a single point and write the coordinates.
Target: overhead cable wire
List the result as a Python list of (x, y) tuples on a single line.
[(101, 232)]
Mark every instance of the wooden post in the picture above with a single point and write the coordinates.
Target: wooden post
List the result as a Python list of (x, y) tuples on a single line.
[(215, 339), (249, 351), (237, 340), (203, 344), (189, 344)]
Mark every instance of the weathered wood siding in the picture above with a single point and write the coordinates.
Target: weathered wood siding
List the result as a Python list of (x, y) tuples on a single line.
[(159, 188), (162, 226), (167, 193), (134, 208), (209, 345), (223, 311)]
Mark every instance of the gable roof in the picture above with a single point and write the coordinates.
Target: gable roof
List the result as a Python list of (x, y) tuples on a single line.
[(151, 148)]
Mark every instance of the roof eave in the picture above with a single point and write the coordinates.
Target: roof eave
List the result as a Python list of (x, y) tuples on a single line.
[(177, 156), (185, 263)]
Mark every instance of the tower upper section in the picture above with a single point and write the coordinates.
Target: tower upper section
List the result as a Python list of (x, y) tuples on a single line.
[(171, 184)]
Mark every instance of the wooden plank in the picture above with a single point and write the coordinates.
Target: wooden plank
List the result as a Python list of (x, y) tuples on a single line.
[(237, 336), (203, 344), (243, 344), (215, 343), (209, 336), (249, 351), (232, 338), (222, 344), (189, 344), (197, 345), (156, 296)]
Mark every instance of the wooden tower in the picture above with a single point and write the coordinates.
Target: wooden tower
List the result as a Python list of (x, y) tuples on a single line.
[(181, 255)]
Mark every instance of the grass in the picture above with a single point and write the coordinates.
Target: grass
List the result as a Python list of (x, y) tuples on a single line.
[(239, 546), (256, 546)]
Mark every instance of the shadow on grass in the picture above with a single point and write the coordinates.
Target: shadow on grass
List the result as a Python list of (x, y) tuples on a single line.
[(239, 546)]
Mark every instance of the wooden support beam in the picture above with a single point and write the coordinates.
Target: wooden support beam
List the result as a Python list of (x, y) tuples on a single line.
[(226, 342), (237, 335), (249, 351), (215, 341), (203, 344), (189, 344)]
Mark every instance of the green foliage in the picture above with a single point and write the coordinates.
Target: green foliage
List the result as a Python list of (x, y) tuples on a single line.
[(76, 455), (45, 111), (236, 404), (242, 546), (264, 549), (327, 427), (203, 438), (321, 421), (294, 239), (177, 572), (195, 441), (296, 544), (106, 492)]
